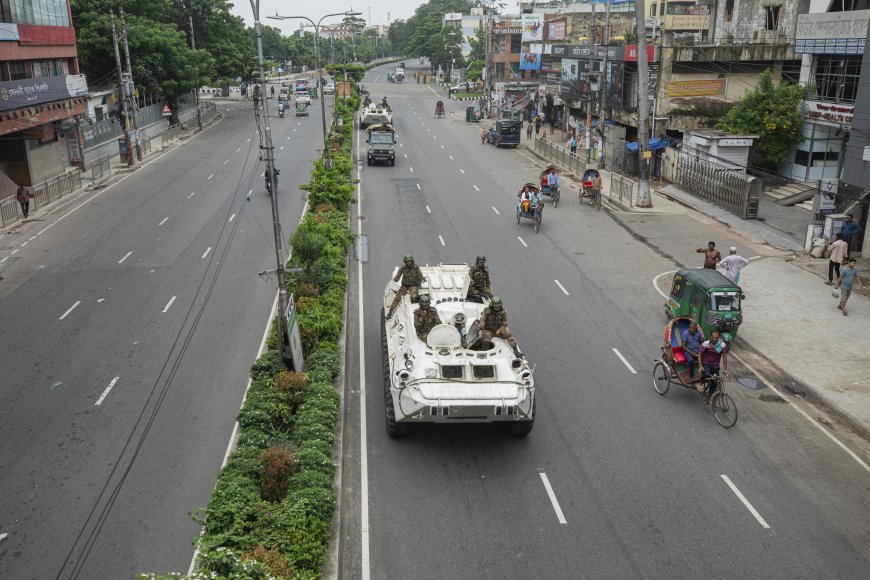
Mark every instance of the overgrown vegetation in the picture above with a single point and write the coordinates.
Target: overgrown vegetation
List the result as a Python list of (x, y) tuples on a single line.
[(270, 512), (771, 112)]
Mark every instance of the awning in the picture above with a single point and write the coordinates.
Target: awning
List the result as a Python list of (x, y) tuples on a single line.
[(653, 145)]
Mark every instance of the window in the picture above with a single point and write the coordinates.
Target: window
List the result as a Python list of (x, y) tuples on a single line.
[(801, 157), (516, 43), (729, 10), (483, 372), (451, 371), (771, 17), (662, 9), (19, 70), (836, 78), (724, 301), (652, 10)]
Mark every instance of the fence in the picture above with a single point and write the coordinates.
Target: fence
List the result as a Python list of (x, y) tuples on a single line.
[(209, 112), (731, 190), (101, 166), (170, 135), (107, 129), (559, 156), (622, 188), (43, 194)]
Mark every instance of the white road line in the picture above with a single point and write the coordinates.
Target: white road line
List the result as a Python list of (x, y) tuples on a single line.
[(106, 392), (435, 136), (24, 244), (462, 171), (3, 536), (227, 161), (232, 217), (451, 157), (169, 304), (418, 186), (210, 176), (250, 191), (745, 501), (495, 210), (248, 141), (294, 130), (127, 255), (363, 435), (13, 252), (428, 130), (427, 211), (163, 221), (281, 148), (71, 308), (553, 500), (475, 188), (405, 154), (755, 257), (207, 252), (442, 146), (31, 238), (441, 239), (411, 168), (523, 242), (402, 145), (625, 362), (562, 288), (7, 257), (191, 195)]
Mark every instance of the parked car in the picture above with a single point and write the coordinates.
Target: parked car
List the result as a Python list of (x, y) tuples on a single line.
[(329, 88)]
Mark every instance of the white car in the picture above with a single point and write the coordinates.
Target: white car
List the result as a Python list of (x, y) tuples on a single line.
[(329, 88)]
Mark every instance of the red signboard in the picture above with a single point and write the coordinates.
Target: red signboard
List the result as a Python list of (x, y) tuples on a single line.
[(47, 35), (631, 53)]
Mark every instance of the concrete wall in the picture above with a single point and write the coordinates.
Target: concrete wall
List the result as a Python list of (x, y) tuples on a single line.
[(857, 171), (111, 147), (46, 160)]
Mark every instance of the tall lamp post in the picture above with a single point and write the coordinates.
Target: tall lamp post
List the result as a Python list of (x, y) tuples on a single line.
[(326, 162)]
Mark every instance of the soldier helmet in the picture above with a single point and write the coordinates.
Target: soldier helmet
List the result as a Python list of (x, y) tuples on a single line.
[(409, 258), (424, 300), (496, 302), (481, 259)]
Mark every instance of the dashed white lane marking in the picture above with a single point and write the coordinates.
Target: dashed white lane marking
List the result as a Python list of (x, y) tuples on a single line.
[(163, 221), (232, 217), (281, 148), (250, 191), (411, 168), (745, 501), (100, 300), (4, 259), (405, 154), (294, 130), (71, 308), (451, 157), (402, 145), (248, 141), (442, 146), (428, 210), (3, 536), (263, 174), (562, 288), (31, 238), (522, 241), (625, 362), (227, 161), (559, 515), (462, 171), (106, 392), (435, 136), (298, 122), (191, 195), (428, 130), (169, 304), (24, 244), (13, 252), (210, 176), (239, 149), (418, 186), (288, 138), (441, 239), (207, 252), (495, 210), (475, 188), (127, 255)]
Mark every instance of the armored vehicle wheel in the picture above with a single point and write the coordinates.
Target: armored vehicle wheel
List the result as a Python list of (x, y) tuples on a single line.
[(724, 409), (518, 215), (368, 162), (661, 378), (393, 429), (523, 428), (392, 162)]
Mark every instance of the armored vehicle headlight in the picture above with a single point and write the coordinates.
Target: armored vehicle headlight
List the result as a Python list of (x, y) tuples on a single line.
[(404, 375), (409, 364), (526, 375)]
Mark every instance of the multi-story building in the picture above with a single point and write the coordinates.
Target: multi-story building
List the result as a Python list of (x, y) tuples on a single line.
[(41, 92)]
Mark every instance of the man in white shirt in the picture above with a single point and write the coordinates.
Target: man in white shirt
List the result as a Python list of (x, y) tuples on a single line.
[(733, 264), (836, 254)]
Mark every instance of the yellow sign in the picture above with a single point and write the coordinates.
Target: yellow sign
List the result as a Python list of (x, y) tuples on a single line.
[(647, 154), (699, 88)]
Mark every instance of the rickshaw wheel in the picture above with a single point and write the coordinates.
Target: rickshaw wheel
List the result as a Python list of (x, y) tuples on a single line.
[(597, 201), (537, 222), (724, 409), (518, 215), (555, 201), (661, 378)]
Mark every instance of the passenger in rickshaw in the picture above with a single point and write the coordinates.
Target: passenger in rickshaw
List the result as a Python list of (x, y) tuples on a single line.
[(439, 107), (691, 339), (713, 354)]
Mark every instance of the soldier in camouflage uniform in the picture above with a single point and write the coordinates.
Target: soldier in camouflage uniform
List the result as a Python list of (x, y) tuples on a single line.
[(425, 318), (479, 276), (493, 322), (411, 277)]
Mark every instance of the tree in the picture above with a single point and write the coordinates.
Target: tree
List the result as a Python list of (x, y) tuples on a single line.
[(772, 112)]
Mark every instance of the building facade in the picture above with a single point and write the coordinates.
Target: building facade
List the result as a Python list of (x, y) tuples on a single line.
[(41, 92)]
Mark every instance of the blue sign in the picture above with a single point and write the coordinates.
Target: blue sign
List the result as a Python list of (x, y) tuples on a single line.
[(529, 61)]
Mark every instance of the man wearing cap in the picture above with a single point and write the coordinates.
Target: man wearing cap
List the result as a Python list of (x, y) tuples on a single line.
[(479, 277), (425, 318), (849, 231), (848, 278), (733, 264), (411, 277)]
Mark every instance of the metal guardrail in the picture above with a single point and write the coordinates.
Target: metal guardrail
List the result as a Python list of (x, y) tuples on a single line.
[(44, 194), (108, 129), (101, 166), (560, 156), (146, 145), (170, 134), (209, 112), (731, 190), (622, 187), (9, 212)]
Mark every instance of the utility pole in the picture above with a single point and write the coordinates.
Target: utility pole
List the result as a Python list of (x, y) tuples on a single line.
[(122, 92), (644, 199), (602, 100), (589, 86), (283, 334), (193, 47), (128, 87)]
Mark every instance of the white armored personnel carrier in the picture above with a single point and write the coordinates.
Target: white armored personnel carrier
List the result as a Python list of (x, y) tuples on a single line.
[(446, 379), (375, 114)]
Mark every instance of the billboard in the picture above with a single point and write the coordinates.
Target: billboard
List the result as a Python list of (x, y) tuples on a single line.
[(614, 83), (832, 32), (453, 16), (530, 61), (695, 88), (533, 27), (556, 30), (570, 77)]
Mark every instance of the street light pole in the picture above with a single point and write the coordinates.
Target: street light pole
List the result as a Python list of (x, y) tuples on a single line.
[(283, 334)]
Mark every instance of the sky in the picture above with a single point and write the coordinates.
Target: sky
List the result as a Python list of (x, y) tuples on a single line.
[(315, 10)]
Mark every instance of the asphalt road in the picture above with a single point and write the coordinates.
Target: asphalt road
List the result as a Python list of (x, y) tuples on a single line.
[(128, 323), (646, 486)]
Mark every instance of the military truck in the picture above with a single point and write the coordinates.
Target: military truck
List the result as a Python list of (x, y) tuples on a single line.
[(381, 141), (447, 377)]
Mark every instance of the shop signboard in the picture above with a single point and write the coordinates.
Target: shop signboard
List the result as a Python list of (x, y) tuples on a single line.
[(529, 61), (695, 88), (832, 32), (453, 16), (615, 81), (570, 77), (832, 112), (26, 92), (556, 30), (533, 27)]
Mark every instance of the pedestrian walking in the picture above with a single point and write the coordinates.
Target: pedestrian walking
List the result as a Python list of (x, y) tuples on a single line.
[(836, 256), (711, 255), (572, 144), (272, 90), (847, 280), (529, 128), (733, 264), (553, 124), (467, 87), (23, 197), (849, 231), (538, 123)]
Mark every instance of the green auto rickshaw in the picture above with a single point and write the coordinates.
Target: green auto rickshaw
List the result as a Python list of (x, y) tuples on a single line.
[(709, 298), (473, 114)]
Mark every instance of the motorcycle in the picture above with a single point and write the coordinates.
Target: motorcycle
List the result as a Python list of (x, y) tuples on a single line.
[(281, 110), (268, 185)]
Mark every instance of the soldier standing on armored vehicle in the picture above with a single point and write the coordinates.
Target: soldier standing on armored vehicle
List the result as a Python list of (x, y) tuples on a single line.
[(493, 322), (425, 318), (411, 277), (479, 276)]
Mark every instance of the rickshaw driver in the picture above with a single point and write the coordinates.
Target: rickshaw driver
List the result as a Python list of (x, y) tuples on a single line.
[(692, 338), (714, 353), (553, 181)]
